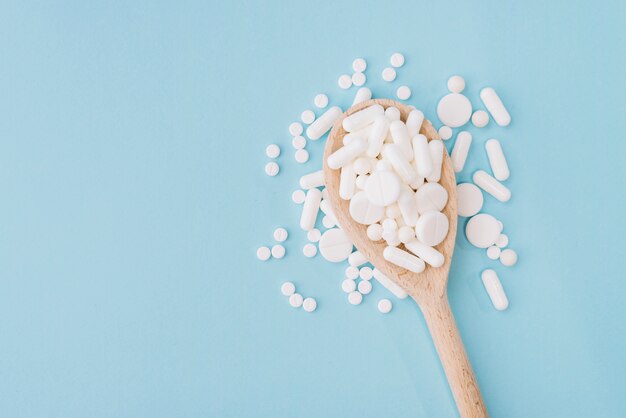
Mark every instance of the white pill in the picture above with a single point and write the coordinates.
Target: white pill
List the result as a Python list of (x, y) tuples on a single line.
[(400, 136), (365, 273), (494, 289), (407, 203), (390, 285), (392, 113), (295, 300), (355, 298), (323, 124), (495, 106), (362, 165), (362, 118), (361, 181), (508, 257), (389, 74), (383, 165), (456, 84), (483, 230), (298, 142), (313, 235), (445, 132), (348, 285), (375, 232), (383, 188), (454, 110), (403, 92), (362, 95), (421, 156), (288, 289), (309, 305), (298, 197), (312, 180), (403, 259), (329, 222), (461, 150), (414, 122), (431, 228), (347, 182), (357, 258), (391, 237), (377, 135), (431, 197), (480, 118), (364, 287), (493, 252), (502, 241), (363, 211), (307, 116), (352, 272), (335, 246), (358, 79), (436, 156), (397, 60), (321, 101), (393, 211), (389, 225), (272, 151), (301, 156), (271, 169), (398, 159), (469, 199), (310, 209), (309, 250), (384, 306), (344, 81), (359, 65), (278, 251), (492, 186), (406, 234), (346, 154), (497, 161), (295, 129), (429, 254), (280, 234), (263, 253)]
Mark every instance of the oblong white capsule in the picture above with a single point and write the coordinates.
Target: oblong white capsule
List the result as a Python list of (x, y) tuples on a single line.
[(400, 137), (346, 154), (421, 156), (491, 186), (362, 118), (362, 95), (403, 259), (323, 124), (495, 106), (347, 182), (356, 259), (497, 161), (494, 289), (377, 135), (436, 156), (408, 207), (461, 150), (414, 122), (393, 153), (312, 180), (397, 291), (310, 209), (426, 253)]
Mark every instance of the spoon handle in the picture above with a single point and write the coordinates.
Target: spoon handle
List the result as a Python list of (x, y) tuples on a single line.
[(453, 358)]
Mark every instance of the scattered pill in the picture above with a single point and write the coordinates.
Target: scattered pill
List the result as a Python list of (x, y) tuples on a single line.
[(263, 253), (295, 300), (307, 117), (272, 151), (397, 60), (320, 101), (310, 209), (301, 156), (348, 285), (454, 110), (389, 284), (483, 230), (278, 251), (288, 288), (359, 65), (362, 95), (309, 304), (502, 241), (508, 257), (357, 259), (366, 273), (384, 306), (272, 169), (314, 235), (492, 186), (335, 246), (403, 92), (461, 150), (309, 250), (352, 272), (312, 180), (328, 222), (497, 161), (365, 287), (494, 289), (389, 74), (469, 199), (295, 129), (495, 106), (298, 197), (345, 81), (493, 252), (445, 132), (480, 118), (323, 123), (280, 234), (298, 142), (355, 298), (358, 79), (456, 84)]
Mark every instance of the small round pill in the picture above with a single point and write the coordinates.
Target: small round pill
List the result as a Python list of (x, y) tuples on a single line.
[(296, 129), (366, 273), (272, 151), (352, 272), (320, 101), (355, 298), (298, 197), (348, 285), (397, 60), (406, 234), (271, 169), (364, 287), (307, 117), (314, 235), (403, 92), (480, 118), (278, 251), (482, 230), (280, 234), (295, 300), (263, 253), (298, 142), (288, 289), (445, 132), (358, 79), (392, 113), (328, 222), (469, 199), (309, 305), (302, 156), (375, 232), (309, 250), (493, 252), (345, 81), (502, 241), (393, 211), (359, 65), (384, 306), (508, 257), (362, 165), (456, 84), (389, 74)]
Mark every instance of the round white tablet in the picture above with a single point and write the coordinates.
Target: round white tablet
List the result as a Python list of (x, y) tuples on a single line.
[(403, 92), (321, 101), (431, 228), (389, 74), (469, 199), (355, 298), (384, 306), (352, 272), (328, 222), (359, 65), (313, 235), (358, 79), (375, 232), (456, 84), (383, 188), (445, 132), (483, 230), (345, 81), (366, 273), (295, 129), (335, 246), (298, 142), (363, 211), (288, 289), (295, 300), (454, 110), (480, 118), (309, 305), (298, 197), (493, 252), (278, 251), (348, 285), (364, 287), (508, 257), (301, 156), (361, 181), (397, 60), (272, 151), (263, 253), (271, 169), (406, 234), (307, 116), (362, 165), (431, 196), (280, 234), (502, 241), (393, 211), (309, 250)]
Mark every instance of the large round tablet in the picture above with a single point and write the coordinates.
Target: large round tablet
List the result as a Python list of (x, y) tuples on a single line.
[(383, 188), (335, 246), (454, 110), (483, 230), (431, 196), (363, 211), (469, 199), (431, 228)]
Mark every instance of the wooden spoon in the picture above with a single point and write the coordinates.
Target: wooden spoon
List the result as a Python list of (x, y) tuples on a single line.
[(428, 288)]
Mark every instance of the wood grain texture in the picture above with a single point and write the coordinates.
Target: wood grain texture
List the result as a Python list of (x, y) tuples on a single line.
[(428, 288)]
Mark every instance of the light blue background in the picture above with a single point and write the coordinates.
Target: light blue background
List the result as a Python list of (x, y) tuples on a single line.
[(132, 140)]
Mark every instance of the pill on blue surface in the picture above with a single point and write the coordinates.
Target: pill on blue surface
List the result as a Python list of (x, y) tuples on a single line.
[(365, 273), (328, 222), (272, 151), (320, 101), (296, 300), (323, 123), (312, 180), (335, 246), (483, 230), (348, 285), (272, 169), (359, 65), (445, 132), (263, 253), (280, 234), (298, 197), (278, 251), (492, 186), (389, 74), (310, 209), (454, 110), (469, 199), (307, 116), (493, 252), (403, 92), (480, 118), (502, 241), (295, 129), (309, 304), (358, 79), (508, 257), (389, 284), (364, 287), (397, 60), (313, 235), (309, 250), (298, 142), (384, 306), (355, 298), (357, 258), (362, 95), (352, 272), (495, 106), (456, 84), (497, 161), (344, 81), (461, 150), (288, 288), (494, 289), (301, 156)]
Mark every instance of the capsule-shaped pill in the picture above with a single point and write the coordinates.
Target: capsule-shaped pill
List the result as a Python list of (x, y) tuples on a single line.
[(498, 163), (414, 122), (461, 150), (398, 292), (312, 180), (362, 118), (362, 95), (346, 154), (356, 259), (323, 124), (491, 186), (400, 137), (436, 156), (347, 182), (377, 135), (421, 156), (495, 106), (426, 253), (310, 209), (393, 153), (407, 203), (494, 289), (403, 259)]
